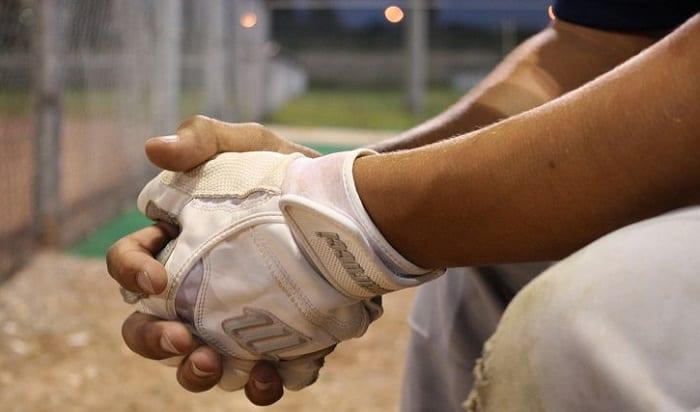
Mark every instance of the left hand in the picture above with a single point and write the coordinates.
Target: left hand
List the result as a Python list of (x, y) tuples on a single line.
[(131, 260)]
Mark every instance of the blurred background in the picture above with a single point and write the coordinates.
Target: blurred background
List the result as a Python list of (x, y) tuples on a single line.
[(83, 83)]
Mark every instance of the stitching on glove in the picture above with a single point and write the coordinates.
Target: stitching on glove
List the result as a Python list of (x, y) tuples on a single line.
[(329, 324), (228, 207), (199, 316), (221, 176), (203, 248), (290, 288), (241, 195), (358, 213)]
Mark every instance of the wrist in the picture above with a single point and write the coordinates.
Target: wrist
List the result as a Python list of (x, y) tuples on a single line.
[(392, 199), (329, 222)]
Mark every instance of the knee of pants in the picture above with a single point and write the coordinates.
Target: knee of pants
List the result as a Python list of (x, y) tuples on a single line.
[(615, 326)]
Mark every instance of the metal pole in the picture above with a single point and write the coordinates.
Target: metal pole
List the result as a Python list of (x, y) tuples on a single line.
[(214, 58), (49, 49), (417, 52), (252, 55), (165, 94)]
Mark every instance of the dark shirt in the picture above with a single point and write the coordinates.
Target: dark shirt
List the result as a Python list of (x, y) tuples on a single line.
[(626, 15)]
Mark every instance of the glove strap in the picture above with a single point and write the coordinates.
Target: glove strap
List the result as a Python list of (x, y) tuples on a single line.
[(328, 221)]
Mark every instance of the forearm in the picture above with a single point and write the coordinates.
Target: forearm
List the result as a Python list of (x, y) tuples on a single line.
[(542, 184), (559, 59)]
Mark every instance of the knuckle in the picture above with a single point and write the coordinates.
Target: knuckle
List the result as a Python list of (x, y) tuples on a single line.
[(113, 256), (194, 122), (255, 125), (258, 129), (128, 333)]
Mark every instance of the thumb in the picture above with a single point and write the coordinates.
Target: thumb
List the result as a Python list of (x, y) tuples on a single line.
[(199, 138)]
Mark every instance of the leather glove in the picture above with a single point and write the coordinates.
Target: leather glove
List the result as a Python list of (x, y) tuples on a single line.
[(276, 259)]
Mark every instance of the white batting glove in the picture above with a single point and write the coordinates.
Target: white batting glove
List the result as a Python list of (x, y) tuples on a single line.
[(276, 259)]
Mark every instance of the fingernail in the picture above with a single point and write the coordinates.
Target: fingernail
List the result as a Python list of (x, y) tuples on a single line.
[(171, 138), (261, 386), (199, 372), (167, 345), (144, 282)]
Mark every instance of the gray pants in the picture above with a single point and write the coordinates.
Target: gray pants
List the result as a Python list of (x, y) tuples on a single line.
[(452, 317), (613, 327)]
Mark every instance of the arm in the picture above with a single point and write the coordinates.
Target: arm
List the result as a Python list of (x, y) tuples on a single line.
[(545, 165), (200, 138), (542, 184), (559, 59)]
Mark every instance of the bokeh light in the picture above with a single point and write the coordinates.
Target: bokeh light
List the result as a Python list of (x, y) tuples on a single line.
[(249, 20), (394, 14)]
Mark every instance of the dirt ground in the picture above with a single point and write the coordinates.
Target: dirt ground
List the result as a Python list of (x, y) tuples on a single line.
[(61, 350)]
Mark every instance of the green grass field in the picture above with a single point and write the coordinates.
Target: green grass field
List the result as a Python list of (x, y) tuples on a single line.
[(379, 108)]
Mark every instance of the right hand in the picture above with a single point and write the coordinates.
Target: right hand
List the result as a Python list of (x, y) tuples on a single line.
[(132, 258), (276, 259)]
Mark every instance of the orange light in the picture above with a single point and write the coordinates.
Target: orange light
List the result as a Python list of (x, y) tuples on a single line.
[(550, 12), (394, 14), (249, 20)]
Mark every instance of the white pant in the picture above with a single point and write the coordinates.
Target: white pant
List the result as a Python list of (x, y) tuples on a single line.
[(452, 317), (613, 327)]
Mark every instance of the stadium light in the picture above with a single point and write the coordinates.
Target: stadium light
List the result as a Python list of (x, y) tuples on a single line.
[(394, 14), (248, 20)]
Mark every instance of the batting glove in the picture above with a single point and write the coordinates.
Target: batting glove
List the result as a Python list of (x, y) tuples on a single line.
[(276, 259)]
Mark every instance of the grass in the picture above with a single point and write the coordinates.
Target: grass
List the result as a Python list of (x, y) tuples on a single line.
[(97, 243), (360, 108), (379, 108), (97, 102), (75, 102)]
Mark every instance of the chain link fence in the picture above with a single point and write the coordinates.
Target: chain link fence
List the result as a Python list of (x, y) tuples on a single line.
[(16, 147), (84, 82)]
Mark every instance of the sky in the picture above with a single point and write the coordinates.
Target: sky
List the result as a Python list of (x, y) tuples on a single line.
[(530, 14)]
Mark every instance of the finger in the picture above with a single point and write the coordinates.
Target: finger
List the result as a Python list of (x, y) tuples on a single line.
[(154, 338), (131, 263), (199, 138), (264, 386), (235, 375), (299, 373), (201, 370)]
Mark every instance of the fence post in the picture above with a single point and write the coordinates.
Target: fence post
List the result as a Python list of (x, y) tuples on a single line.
[(252, 55), (49, 50), (416, 39), (165, 90), (214, 58)]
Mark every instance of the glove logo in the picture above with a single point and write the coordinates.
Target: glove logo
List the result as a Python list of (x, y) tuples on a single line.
[(262, 334), (349, 262)]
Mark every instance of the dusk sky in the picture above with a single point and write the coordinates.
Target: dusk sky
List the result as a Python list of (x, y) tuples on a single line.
[(530, 14)]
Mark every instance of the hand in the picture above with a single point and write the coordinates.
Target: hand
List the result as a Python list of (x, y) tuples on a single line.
[(197, 140), (276, 259)]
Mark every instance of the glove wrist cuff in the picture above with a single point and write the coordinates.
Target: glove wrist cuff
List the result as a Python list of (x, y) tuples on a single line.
[(390, 256), (321, 204)]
